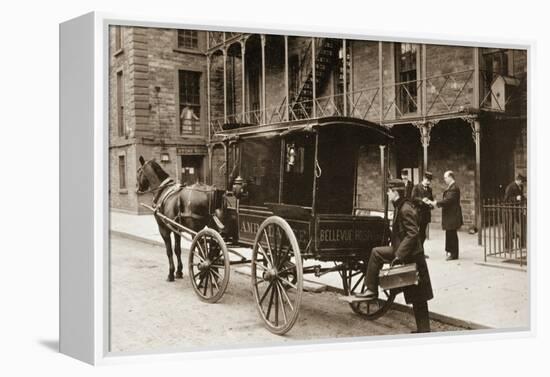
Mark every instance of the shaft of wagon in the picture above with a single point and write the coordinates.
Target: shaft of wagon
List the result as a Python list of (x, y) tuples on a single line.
[(178, 226)]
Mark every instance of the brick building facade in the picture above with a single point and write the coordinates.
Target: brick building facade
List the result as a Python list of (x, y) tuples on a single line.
[(157, 107), (449, 107)]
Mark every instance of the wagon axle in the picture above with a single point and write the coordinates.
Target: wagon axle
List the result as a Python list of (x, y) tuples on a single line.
[(271, 274)]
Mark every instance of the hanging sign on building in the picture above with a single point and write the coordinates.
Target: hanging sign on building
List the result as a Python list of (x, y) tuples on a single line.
[(192, 149)]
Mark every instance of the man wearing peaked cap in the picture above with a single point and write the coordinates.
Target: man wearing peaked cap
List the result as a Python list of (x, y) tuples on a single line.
[(407, 182), (514, 191), (405, 248), (419, 192), (514, 226)]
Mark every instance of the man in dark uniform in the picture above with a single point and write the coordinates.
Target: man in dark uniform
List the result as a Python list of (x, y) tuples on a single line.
[(419, 192), (514, 191), (451, 214), (515, 225), (405, 248), (408, 184)]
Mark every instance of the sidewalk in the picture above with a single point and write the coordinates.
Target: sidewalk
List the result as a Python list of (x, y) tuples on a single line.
[(469, 291)]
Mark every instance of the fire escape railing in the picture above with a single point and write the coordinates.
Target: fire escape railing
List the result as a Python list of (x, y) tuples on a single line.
[(445, 95)]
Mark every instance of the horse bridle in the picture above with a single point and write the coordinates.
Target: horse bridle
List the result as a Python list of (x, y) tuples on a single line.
[(161, 186)]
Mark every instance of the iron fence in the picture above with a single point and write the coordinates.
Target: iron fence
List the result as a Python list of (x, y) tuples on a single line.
[(504, 230)]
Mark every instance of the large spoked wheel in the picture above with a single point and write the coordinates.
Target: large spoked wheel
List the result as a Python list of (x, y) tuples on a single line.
[(354, 281), (209, 265), (277, 275)]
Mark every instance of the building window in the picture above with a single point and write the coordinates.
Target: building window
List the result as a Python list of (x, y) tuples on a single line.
[(118, 38), (122, 172), (189, 101), (188, 39), (406, 88), (496, 62), (120, 103)]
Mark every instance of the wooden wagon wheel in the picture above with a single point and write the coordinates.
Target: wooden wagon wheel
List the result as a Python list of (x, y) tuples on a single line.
[(277, 275), (209, 265), (353, 279)]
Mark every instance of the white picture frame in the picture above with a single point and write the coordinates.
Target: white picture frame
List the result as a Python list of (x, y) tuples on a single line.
[(84, 137)]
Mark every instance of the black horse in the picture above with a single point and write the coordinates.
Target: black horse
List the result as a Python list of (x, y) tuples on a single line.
[(191, 206)]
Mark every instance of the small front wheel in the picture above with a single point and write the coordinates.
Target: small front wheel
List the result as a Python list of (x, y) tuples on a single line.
[(354, 282), (209, 265)]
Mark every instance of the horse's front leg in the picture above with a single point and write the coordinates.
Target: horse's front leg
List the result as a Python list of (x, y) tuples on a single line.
[(177, 250), (165, 234)]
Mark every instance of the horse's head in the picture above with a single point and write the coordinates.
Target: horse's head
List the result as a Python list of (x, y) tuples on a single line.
[(149, 175)]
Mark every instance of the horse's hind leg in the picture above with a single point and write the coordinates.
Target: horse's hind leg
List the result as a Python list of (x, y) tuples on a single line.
[(165, 234), (177, 250)]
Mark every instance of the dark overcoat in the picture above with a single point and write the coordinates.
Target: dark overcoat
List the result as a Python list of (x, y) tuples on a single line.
[(513, 190), (451, 212), (408, 189), (407, 246), (424, 210)]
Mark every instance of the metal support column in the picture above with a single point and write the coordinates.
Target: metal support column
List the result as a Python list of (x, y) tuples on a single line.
[(476, 93), (477, 196), (210, 152), (345, 69), (351, 75), (243, 79), (224, 84), (380, 82), (264, 117), (425, 129), (287, 86), (208, 114), (424, 82), (313, 78), (384, 179)]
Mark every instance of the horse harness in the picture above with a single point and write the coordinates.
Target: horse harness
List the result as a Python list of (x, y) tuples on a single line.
[(171, 189)]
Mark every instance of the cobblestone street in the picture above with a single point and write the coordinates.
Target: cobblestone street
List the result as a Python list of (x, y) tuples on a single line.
[(150, 314)]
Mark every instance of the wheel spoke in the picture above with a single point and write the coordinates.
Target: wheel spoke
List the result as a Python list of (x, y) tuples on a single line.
[(202, 251), (261, 250), (286, 269), (269, 247), (198, 255), (289, 283), (357, 283), (205, 285), (259, 281), (276, 294), (201, 280), (206, 246), (270, 304), (214, 281), (277, 257), (283, 311), (197, 274), (217, 274), (261, 266), (214, 260), (265, 293), (286, 296), (211, 285)]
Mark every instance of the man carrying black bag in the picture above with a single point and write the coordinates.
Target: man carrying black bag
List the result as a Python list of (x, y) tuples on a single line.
[(405, 248)]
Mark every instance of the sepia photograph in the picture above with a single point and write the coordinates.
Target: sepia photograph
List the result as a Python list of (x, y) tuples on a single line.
[(276, 189)]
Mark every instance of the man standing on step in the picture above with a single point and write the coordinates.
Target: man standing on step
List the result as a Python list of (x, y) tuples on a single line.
[(405, 248)]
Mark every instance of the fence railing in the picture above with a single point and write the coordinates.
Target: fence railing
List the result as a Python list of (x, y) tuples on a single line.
[(504, 230)]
